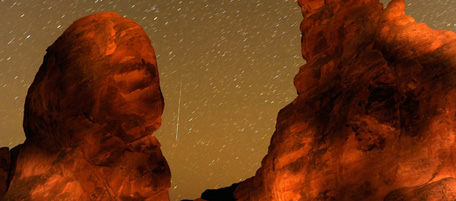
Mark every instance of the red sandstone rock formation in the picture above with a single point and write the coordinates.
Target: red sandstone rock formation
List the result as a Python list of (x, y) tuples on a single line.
[(375, 115), (89, 116)]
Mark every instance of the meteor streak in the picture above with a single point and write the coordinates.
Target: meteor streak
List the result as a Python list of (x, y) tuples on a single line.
[(178, 110)]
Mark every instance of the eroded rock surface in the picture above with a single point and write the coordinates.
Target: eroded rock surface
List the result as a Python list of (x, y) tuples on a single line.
[(375, 114), (444, 189), (89, 116)]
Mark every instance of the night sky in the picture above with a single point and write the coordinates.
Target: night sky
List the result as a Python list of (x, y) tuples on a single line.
[(233, 61)]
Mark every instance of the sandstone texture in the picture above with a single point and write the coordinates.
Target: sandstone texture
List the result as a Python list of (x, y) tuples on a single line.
[(89, 116), (444, 189), (375, 114)]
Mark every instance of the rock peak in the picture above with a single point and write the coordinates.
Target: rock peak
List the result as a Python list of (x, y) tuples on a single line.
[(374, 118), (88, 118)]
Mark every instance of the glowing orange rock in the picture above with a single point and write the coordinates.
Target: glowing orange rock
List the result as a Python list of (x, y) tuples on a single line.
[(89, 116), (444, 189), (375, 115)]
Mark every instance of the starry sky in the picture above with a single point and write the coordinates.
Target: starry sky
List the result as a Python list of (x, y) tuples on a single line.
[(232, 60)]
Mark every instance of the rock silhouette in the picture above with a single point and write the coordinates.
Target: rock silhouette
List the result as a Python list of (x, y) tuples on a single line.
[(88, 119)]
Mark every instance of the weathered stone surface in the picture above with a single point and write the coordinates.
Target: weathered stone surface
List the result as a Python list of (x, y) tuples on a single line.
[(444, 189), (89, 115), (375, 114)]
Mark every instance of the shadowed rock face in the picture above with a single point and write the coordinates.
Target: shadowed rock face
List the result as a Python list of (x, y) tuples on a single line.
[(375, 114), (5, 164), (89, 116)]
